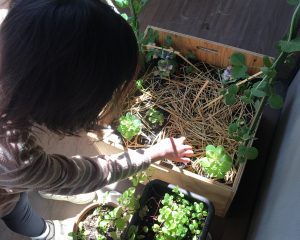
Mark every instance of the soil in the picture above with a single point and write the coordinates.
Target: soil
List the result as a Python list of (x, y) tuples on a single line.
[(90, 223)]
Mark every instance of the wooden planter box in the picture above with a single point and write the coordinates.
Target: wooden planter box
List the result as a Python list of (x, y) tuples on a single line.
[(218, 55)]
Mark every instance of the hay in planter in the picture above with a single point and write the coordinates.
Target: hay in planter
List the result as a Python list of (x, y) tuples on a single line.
[(194, 109)]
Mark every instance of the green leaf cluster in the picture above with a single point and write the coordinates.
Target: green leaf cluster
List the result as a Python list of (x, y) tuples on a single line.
[(155, 117), (290, 46), (179, 217), (240, 132), (129, 126), (216, 163), (230, 97), (252, 92), (246, 153), (165, 67), (135, 7), (113, 222), (294, 2), (138, 178), (239, 67)]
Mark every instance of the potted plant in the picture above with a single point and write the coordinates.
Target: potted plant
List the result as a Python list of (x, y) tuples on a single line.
[(168, 212), (107, 220)]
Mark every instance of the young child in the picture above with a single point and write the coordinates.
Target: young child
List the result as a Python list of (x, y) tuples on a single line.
[(62, 61)]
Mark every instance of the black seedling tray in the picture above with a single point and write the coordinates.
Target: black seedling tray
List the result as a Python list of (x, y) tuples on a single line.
[(156, 190)]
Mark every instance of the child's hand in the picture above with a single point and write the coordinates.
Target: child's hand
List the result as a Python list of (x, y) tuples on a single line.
[(173, 149)]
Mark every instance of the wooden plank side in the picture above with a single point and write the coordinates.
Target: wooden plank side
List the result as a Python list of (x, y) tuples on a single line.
[(219, 194), (209, 52)]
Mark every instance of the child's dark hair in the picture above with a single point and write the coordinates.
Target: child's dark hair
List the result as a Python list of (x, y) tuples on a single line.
[(62, 60)]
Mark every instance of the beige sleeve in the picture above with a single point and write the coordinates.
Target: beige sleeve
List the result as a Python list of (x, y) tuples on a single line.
[(26, 166)]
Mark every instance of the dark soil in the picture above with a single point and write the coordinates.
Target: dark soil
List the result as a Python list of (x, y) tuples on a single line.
[(149, 219), (90, 223)]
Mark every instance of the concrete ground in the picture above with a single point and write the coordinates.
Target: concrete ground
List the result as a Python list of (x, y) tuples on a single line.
[(68, 146)]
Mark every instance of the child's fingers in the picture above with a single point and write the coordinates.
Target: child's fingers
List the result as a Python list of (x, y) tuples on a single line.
[(181, 140), (187, 147), (185, 160), (187, 153)]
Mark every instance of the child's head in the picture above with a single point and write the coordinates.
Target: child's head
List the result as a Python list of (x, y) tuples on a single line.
[(62, 60)]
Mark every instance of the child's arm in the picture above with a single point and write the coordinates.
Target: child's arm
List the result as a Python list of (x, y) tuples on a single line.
[(25, 166)]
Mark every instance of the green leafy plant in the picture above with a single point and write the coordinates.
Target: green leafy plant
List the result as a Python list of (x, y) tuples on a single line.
[(216, 163), (179, 218), (239, 131), (239, 67), (129, 126), (135, 7), (230, 96), (155, 117)]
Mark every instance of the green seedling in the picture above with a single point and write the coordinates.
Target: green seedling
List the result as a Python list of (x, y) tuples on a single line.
[(216, 163), (129, 126)]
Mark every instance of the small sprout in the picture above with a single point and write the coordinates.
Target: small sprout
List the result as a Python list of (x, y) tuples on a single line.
[(155, 117), (164, 68), (139, 84), (239, 131)]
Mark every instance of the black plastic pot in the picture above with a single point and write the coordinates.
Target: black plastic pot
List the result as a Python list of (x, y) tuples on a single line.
[(157, 189)]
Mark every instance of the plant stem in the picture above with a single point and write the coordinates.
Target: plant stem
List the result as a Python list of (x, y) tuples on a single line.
[(238, 84), (135, 22)]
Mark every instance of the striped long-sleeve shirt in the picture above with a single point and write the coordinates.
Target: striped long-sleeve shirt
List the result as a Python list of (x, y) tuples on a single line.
[(25, 166)]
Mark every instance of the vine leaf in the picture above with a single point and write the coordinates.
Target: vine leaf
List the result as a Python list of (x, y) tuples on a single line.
[(238, 72), (267, 61), (259, 89), (230, 99), (125, 16), (120, 223), (293, 2), (275, 101), (238, 59), (258, 92), (168, 42), (247, 153), (122, 3), (268, 71), (233, 89), (290, 46)]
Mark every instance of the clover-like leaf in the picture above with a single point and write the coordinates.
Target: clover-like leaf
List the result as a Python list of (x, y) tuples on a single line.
[(294, 2), (275, 101), (230, 99), (290, 46), (122, 3), (237, 59), (267, 61)]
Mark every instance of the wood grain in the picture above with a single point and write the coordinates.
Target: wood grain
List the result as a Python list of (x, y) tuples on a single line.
[(254, 25)]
